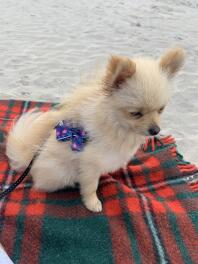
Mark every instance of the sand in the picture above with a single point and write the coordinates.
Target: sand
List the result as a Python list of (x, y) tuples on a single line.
[(46, 46)]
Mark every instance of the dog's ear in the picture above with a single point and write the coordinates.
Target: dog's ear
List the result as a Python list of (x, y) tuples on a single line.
[(172, 61), (118, 70)]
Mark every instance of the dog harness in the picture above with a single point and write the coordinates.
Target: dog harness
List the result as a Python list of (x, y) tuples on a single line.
[(68, 131)]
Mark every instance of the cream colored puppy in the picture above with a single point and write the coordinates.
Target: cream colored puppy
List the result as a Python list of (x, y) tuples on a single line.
[(117, 112)]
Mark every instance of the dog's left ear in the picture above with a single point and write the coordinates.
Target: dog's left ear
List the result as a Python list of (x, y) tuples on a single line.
[(172, 61), (119, 69)]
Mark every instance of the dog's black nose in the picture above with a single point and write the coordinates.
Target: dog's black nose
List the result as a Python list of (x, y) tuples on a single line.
[(154, 130)]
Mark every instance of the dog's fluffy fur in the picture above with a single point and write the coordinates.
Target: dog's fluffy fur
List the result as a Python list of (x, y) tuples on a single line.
[(117, 112)]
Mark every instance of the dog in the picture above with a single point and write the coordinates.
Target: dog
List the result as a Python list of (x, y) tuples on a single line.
[(116, 112)]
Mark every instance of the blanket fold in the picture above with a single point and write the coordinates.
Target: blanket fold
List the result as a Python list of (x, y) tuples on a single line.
[(150, 210)]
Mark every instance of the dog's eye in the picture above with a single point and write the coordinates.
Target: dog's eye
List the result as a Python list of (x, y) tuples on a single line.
[(136, 114), (161, 110)]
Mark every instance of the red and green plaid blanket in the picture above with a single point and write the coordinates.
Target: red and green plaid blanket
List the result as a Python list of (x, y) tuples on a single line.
[(150, 210)]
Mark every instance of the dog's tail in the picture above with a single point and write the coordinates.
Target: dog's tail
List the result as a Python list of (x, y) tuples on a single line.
[(27, 136)]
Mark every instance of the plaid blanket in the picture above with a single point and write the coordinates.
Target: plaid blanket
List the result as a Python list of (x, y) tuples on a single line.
[(150, 210)]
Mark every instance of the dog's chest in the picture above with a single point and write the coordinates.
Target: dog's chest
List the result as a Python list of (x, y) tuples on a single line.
[(113, 160)]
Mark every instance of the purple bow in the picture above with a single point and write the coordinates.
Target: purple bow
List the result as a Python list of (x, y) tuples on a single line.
[(65, 131)]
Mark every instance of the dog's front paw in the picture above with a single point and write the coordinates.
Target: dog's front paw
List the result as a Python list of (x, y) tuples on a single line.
[(92, 203)]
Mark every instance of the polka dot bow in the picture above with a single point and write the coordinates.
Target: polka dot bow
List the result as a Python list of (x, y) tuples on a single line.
[(66, 131)]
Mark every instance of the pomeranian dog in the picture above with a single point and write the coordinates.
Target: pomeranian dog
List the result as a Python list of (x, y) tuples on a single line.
[(115, 113)]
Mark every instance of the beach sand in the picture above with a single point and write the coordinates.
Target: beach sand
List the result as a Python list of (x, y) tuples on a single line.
[(46, 46)]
